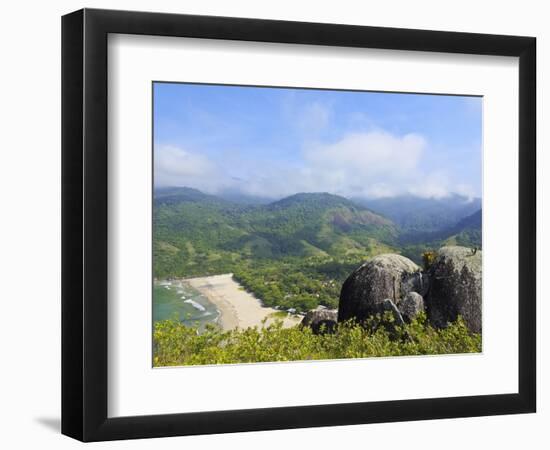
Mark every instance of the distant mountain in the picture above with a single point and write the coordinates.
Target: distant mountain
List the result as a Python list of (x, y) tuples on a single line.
[(175, 195), (472, 221), (330, 223), (243, 199), (423, 215), (196, 229), (315, 199), (466, 232)]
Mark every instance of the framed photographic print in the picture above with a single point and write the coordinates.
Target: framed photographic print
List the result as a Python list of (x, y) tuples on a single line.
[(273, 224)]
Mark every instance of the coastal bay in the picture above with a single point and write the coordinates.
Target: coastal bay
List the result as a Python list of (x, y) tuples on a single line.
[(235, 307)]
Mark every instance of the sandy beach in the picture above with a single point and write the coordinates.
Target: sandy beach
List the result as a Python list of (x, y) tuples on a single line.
[(238, 308)]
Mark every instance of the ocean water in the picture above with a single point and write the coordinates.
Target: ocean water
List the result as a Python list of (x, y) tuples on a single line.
[(174, 299)]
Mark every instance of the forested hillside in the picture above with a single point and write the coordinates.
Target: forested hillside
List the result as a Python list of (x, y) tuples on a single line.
[(292, 253), (415, 214)]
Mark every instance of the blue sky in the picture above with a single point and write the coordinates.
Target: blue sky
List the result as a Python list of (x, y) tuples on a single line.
[(274, 142)]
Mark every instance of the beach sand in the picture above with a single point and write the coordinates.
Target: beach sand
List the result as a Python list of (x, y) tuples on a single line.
[(238, 308)]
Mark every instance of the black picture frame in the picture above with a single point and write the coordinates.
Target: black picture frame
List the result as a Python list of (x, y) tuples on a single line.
[(84, 224)]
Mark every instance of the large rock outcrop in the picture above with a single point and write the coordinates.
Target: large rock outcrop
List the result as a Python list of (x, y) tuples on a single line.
[(455, 287), (320, 320), (383, 277), (411, 306), (389, 306)]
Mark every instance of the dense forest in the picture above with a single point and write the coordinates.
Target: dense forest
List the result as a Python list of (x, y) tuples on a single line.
[(296, 252)]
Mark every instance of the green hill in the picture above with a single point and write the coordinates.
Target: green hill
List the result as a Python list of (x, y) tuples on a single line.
[(294, 252), (466, 232), (195, 229)]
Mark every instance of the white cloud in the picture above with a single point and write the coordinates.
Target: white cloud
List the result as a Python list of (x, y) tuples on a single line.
[(314, 117), (374, 163), (465, 190), (369, 154), (381, 190), (371, 164), (175, 166), (434, 185)]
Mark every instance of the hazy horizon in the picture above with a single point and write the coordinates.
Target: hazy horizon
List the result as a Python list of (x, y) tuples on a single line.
[(230, 194)]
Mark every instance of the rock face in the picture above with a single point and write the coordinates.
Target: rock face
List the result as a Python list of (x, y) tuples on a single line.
[(320, 320), (383, 277), (455, 287), (388, 305), (450, 287), (411, 305)]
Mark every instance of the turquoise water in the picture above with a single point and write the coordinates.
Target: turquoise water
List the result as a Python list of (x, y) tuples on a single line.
[(178, 299)]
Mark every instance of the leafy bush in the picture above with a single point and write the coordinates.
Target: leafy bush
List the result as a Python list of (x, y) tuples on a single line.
[(428, 258), (176, 344)]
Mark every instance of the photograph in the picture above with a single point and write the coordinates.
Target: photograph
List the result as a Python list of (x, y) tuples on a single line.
[(267, 225), (296, 224)]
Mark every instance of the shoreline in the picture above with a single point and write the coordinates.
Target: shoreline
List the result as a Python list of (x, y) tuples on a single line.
[(237, 308)]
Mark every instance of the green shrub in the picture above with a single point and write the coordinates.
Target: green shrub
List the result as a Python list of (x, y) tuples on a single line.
[(176, 344), (428, 258)]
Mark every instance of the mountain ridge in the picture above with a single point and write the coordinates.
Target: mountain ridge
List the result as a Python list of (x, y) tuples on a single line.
[(418, 214), (398, 213), (189, 223)]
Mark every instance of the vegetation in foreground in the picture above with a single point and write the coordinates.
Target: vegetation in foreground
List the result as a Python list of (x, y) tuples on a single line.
[(176, 344)]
